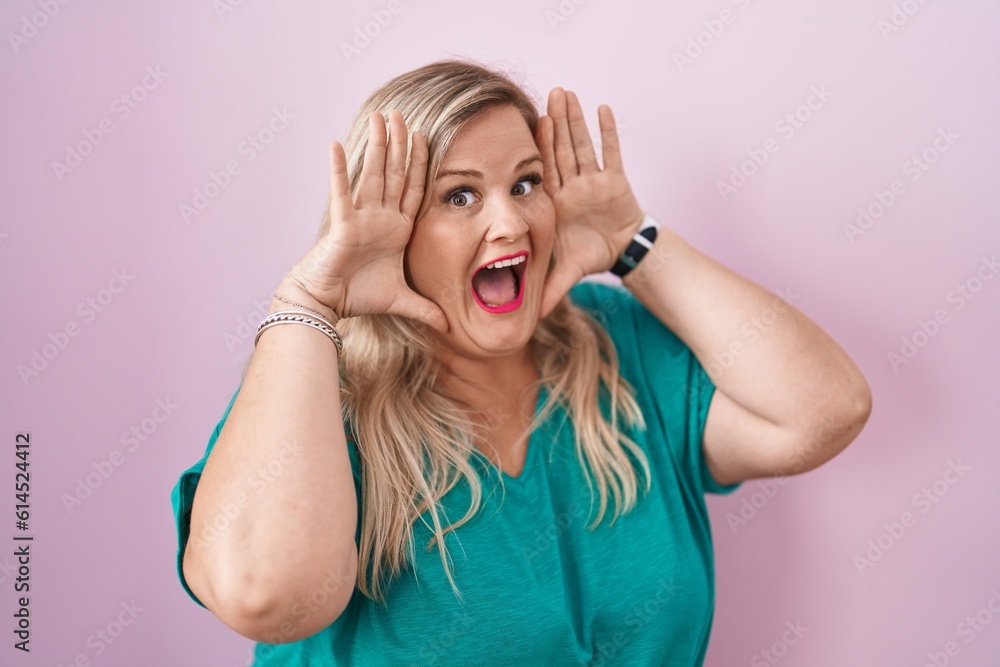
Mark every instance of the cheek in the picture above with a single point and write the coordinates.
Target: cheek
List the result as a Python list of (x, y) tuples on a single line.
[(417, 266), (434, 256), (544, 226)]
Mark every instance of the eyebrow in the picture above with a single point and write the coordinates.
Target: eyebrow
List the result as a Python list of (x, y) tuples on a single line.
[(472, 173)]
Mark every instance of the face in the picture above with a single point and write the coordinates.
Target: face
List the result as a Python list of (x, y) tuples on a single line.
[(495, 209)]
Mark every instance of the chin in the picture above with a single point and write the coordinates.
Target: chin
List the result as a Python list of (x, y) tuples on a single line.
[(512, 333), (509, 336)]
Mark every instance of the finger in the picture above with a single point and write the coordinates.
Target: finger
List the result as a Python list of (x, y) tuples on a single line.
[(416, 175), (373, 167), (551, 181), (565, 156), (586, 159), (611, 151), (395, 161), (340, 188), (415, 307), (557, 285)]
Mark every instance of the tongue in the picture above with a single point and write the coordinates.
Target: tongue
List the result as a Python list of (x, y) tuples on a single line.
[(495, 286)]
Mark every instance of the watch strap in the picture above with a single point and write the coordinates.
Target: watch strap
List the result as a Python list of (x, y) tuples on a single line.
[(641, 243)]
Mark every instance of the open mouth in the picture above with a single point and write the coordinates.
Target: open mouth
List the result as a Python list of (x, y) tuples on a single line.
[(498, 287)]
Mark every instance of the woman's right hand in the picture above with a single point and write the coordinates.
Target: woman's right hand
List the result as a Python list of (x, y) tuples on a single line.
[(357, 268)]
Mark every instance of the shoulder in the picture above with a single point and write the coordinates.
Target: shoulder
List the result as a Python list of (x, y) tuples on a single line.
[(596, 295), (623, 316), (613, 306)]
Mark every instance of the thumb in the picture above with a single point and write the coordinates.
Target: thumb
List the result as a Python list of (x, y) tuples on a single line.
[(415, 307)]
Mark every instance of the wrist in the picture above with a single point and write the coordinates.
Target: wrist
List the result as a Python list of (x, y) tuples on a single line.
[(641, 243), (663, 261), (293, 291)]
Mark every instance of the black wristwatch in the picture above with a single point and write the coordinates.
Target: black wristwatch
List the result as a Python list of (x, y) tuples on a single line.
[(637, 249)]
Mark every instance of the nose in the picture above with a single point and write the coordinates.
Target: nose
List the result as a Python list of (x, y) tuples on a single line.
[(507, 222)]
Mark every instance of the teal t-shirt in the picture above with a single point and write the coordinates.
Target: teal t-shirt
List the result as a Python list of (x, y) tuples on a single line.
[(540, 588)]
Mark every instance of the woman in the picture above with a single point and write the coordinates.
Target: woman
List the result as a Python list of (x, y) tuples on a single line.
[(428, 496)]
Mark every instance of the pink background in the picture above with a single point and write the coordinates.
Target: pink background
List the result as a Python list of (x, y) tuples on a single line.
[(174, 333)]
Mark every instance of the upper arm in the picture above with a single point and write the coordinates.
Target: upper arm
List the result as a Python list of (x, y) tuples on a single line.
[(740, 445)]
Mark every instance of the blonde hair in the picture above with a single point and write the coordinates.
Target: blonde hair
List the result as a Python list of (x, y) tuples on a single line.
[(414, 443)]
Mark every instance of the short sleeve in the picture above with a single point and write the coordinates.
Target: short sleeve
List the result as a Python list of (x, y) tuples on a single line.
[(679, 387), (182, 495), (182, 498)]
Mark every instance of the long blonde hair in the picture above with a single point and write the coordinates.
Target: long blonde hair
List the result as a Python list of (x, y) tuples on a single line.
[(414, 443)]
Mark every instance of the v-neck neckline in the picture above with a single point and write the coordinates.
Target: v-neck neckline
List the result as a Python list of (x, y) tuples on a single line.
[(529, 455)]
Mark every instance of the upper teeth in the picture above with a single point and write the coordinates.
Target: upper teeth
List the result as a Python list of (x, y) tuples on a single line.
[(507, 262)]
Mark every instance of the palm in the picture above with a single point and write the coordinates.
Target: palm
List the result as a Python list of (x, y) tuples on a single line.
[(596, 210), (593, 210), (373, 241), (357, 268)]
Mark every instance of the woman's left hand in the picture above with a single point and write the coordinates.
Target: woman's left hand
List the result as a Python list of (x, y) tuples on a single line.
[(596, 212)]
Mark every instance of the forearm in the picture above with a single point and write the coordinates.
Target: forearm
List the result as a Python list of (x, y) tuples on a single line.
[(275, 512), (757, 348)]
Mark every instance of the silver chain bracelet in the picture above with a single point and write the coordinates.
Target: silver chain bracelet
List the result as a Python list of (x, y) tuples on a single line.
[(298, 317)]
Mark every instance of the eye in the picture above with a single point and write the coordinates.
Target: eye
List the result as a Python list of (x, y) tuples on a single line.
[(461, 195), (530, 180)]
